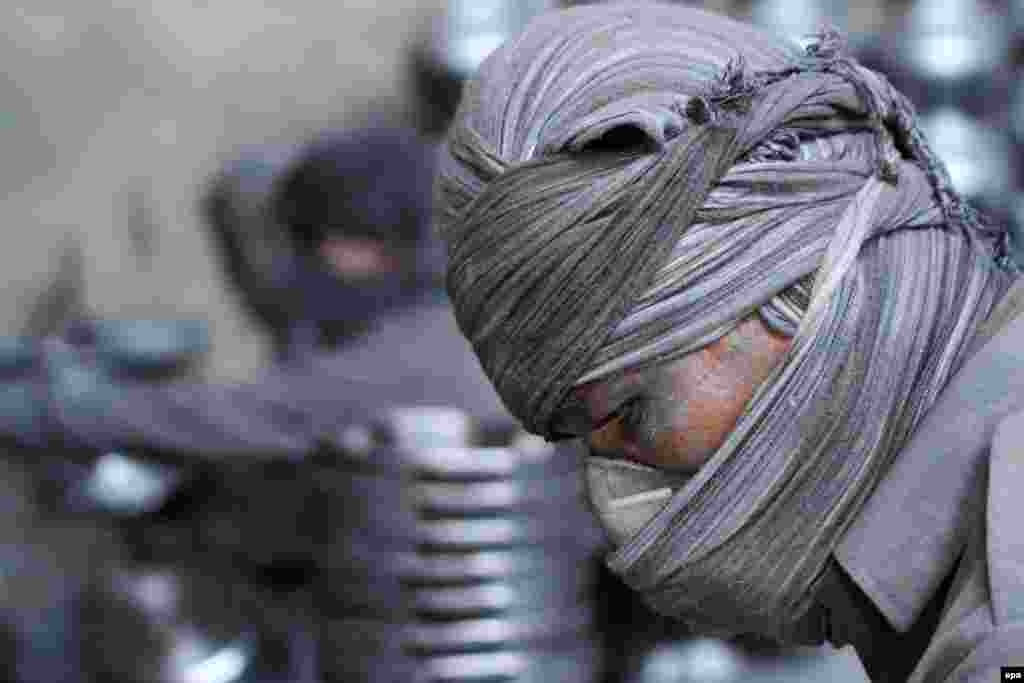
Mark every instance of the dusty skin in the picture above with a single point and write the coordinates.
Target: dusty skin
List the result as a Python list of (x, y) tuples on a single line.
[(677, 414)]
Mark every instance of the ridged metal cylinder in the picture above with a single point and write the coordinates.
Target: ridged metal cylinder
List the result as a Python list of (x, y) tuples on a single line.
[(456, 558)]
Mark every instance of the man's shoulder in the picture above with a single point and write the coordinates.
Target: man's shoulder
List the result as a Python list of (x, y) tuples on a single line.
[(983, 622), (1003, 520), (417, 355)]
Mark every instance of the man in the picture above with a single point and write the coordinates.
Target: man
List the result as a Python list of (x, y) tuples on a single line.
[(738, 271), (340, 266), (321, 240)]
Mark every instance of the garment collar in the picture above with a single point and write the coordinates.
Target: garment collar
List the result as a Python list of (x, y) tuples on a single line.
[(910, 533)]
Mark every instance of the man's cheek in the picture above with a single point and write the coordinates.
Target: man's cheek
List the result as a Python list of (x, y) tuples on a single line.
[(608, 439), (676, 450)]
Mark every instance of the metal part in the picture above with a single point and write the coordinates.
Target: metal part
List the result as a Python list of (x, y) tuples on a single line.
[(496, 497), (358, 561), (579, 663), (697, 661), (475, 634), (472, 29), (18, 355), (415, 427), (372, 636), (976, 155), (954, 39), (142, 346), (496, 532), (124, 485), (193, 624), (195, 660), (479, 599), (443, 548), (800, 19), (454, 567), (480, 464)]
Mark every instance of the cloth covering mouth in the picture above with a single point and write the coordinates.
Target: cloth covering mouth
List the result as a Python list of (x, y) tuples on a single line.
[(625, 496), (624, 183)]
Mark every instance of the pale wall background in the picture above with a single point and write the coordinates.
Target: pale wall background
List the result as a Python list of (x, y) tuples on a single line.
[(114, 114)]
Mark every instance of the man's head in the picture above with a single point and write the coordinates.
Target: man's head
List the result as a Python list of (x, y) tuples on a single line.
[(746, 255), (369, 185), (323, 240), (359, 202)]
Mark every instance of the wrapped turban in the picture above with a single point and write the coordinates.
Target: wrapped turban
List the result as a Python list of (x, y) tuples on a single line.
[(624, 183)]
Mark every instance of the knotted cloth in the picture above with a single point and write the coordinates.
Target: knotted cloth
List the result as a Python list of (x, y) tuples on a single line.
[(625, 183)]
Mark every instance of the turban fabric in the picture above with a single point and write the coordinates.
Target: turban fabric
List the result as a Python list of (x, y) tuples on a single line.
[(624, 183)]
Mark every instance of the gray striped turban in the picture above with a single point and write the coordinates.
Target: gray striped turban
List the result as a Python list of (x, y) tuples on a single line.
[(624, 183)]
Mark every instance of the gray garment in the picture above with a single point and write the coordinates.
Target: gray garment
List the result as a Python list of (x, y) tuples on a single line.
[(955, 492), (412, 356)]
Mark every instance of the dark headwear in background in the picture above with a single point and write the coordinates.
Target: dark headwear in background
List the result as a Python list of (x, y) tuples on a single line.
[(271, 211), (372, 183)]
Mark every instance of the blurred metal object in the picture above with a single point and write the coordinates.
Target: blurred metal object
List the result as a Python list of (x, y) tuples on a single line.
[(535, 448), (449, 549), (123, 485), (464, 635), (196, 660), (419, 427), (480, 599), (157, 613), (472, 29), (22, 395), (702, 660), (799, 20), (542, 628), (806, 665), (18, 355), (132, 346), (141, 348), (486, 533), (491, 564), (490, 497), (955, 39), (977, 155), (953, 60), (523, 666), (356, 441), (478, 464), (185, 624), (82, 373), (950, 54)]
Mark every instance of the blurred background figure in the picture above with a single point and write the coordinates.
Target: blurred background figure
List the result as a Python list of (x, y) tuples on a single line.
[(105, 190), (319, 240), (106, 184), (318, 247)]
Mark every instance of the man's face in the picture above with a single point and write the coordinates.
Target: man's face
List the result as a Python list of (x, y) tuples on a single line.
[(359, 259), (675, 415)]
